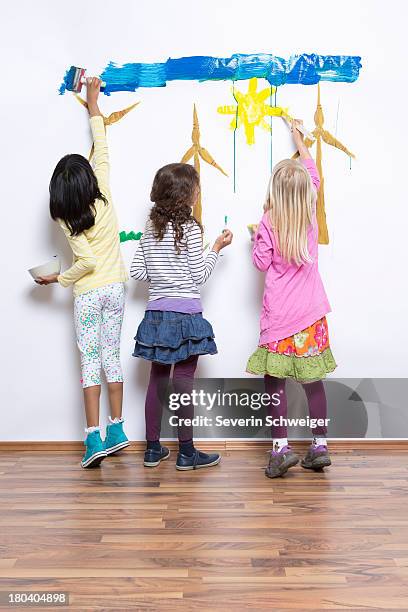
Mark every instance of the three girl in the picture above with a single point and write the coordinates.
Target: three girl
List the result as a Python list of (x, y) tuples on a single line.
[(173, 331), (294, 340), (80, 200)]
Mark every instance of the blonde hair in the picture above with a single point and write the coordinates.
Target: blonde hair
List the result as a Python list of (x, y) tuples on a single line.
[(290, 200)]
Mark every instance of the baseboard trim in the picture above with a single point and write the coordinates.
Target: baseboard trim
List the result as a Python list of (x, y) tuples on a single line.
[(210, 445)]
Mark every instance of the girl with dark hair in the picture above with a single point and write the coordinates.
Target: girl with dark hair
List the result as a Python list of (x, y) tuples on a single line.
[(173, 331), (80, 201)]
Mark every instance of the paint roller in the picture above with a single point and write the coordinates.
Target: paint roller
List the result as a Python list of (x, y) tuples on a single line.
[(75, 78)]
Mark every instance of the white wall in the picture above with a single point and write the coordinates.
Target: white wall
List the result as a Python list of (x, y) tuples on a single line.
[(364, 266)]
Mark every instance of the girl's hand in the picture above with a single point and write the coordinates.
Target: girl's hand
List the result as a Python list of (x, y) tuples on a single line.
[(47, 280), (253, 230), (223, 240), (298, 139), (93, 87), (297, 134)]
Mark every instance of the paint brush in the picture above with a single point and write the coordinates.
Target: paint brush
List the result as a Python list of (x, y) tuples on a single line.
[(75, 78), (299, 127), (225, 228)]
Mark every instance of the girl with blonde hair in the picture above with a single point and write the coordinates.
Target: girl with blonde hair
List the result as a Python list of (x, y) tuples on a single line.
[(294, 340)]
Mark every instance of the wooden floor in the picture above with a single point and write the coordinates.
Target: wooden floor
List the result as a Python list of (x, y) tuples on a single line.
[(124, 537)]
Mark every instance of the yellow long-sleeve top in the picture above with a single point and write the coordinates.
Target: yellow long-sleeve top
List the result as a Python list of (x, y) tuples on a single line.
[(97, 257)]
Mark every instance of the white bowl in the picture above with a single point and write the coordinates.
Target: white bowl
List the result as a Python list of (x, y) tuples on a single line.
[(51, 267)]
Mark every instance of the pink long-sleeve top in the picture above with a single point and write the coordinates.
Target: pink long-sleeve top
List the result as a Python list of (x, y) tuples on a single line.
[(294, 296)]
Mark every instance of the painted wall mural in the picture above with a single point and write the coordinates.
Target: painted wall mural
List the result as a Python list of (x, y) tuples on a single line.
[(322, 135), (251, 109), (248, 109), (112, 118), (126, 236), (196, 151), (305, 69)]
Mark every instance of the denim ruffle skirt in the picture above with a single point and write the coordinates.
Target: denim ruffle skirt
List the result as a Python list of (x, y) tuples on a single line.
[(170, 337)]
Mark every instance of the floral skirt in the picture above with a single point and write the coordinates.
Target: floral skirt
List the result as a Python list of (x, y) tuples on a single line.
[(305, 356)]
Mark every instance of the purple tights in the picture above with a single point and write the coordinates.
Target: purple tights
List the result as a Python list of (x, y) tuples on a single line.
[(316, 398), (183, 380)]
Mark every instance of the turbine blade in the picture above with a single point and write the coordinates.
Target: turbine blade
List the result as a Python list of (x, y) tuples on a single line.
[(80, 100), (207, 157), (188, 155), (332, 141), (117, 115)]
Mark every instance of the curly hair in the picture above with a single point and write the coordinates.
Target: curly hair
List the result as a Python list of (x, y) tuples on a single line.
[(174, 191)]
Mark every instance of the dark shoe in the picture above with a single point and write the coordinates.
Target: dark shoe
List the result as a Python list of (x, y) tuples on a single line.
[(280, 462), (152, 457), (317, 458), (198, 460)]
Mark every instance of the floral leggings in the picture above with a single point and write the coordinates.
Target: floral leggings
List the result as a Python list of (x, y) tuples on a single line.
[(98, 315)]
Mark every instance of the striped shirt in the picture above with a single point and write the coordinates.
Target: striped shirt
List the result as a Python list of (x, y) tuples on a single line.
[(97, 260), (171, 274)]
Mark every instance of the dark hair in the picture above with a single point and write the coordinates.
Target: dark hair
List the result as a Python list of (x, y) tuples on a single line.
[(73, 191), (174, 190)]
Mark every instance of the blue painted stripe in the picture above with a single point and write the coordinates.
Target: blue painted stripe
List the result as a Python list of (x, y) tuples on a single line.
[(298, 69)]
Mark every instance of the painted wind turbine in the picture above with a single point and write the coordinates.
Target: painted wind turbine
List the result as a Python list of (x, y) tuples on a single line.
[(320, 135), (112, 118), (196, 151)]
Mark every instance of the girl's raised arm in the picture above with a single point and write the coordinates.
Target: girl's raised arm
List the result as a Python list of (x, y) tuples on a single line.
[(304, 154), (101, 156)]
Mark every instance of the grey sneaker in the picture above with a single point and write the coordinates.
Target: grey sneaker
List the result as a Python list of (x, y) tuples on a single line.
[(317, 458), (280, 462)]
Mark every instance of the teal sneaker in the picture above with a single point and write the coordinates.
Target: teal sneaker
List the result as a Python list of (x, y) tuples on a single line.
[(95, 451), (115, 439)]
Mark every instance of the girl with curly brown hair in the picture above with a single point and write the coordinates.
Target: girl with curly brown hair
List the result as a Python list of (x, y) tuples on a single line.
[(173, 331)]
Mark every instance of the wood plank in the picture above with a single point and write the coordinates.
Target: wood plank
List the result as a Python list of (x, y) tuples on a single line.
[(91, 572), (7, 563), (341, 445), (123, 537)]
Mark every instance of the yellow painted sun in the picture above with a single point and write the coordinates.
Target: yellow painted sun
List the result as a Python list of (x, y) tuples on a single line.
[(251, 109)]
